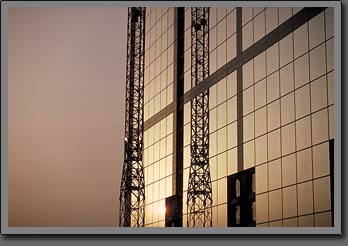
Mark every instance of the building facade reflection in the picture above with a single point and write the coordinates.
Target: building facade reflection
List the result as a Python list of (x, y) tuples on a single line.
[(271, 114)]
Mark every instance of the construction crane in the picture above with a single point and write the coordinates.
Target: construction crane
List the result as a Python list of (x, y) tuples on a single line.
[(132, 193), (199, 193)]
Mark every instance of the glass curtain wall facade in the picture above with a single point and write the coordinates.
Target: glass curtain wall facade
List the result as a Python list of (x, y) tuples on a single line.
[(271, 113)]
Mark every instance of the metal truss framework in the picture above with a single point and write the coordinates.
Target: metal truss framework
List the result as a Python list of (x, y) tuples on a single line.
[(132, 194), (199, 193)]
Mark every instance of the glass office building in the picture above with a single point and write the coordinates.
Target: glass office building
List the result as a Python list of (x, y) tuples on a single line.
[(271, 115)]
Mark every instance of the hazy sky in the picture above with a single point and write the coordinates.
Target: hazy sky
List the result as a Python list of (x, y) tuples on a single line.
[(66, 97)]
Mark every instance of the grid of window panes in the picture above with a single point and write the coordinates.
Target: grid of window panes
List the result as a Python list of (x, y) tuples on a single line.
[(159, 60), (222, 37), (187, 110), (158, 93), (158, 162), (223, 142), (222, 40), (222, 45), (288, 118)]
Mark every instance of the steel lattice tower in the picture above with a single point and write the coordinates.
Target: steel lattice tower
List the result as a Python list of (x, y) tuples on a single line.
[(132, 194), (199, 194)]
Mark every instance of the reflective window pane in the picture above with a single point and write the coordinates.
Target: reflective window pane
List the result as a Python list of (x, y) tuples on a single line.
[(213, 165), (248, 100), (302, 101), (248, 127), (261, 207), (289, 170), (232, 135), (222, 189), (249, 154), (260, 121), (260, 66), (222, 218), (231, 23), (301, 40), (305, 198), (304, 165), (287, 108), (320, 126), (169, 165), (286, 50), (232, 109), (261, 173), (261, 150), (288, 139), (306, 221), (248, 34), (213, 96), (247, 15), (187, 113), (213, 120), (273, 112), (187, 157), (212, 144), (322, 199), (259, 26), (316, 30), (221, 55), (275, 205), (222, 172), (170, 123), (271, 19), (232, 161), (231, 84), (248, 71), (274, 145), (212, 16), (187, 135), (231, 44), (274, 174), (284, 14), (222, 115), (221, 32), (272, 58), (318, 94), (301, 71), (222, 144), (273, 87), (321, 162), (303, 133), (323, 219), (317, 61), (212, 62), (258, 10), (260, 94), (221, 91), (289, 202), (212, 39)]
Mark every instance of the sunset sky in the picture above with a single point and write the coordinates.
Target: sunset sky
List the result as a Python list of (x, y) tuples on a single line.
[(66, 93)]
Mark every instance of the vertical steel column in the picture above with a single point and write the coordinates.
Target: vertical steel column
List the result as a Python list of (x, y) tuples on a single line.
[(240, 124), (132, 194), (199, 193)]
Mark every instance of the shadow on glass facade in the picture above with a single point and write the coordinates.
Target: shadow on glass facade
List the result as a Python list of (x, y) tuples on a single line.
[(271, 119)]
